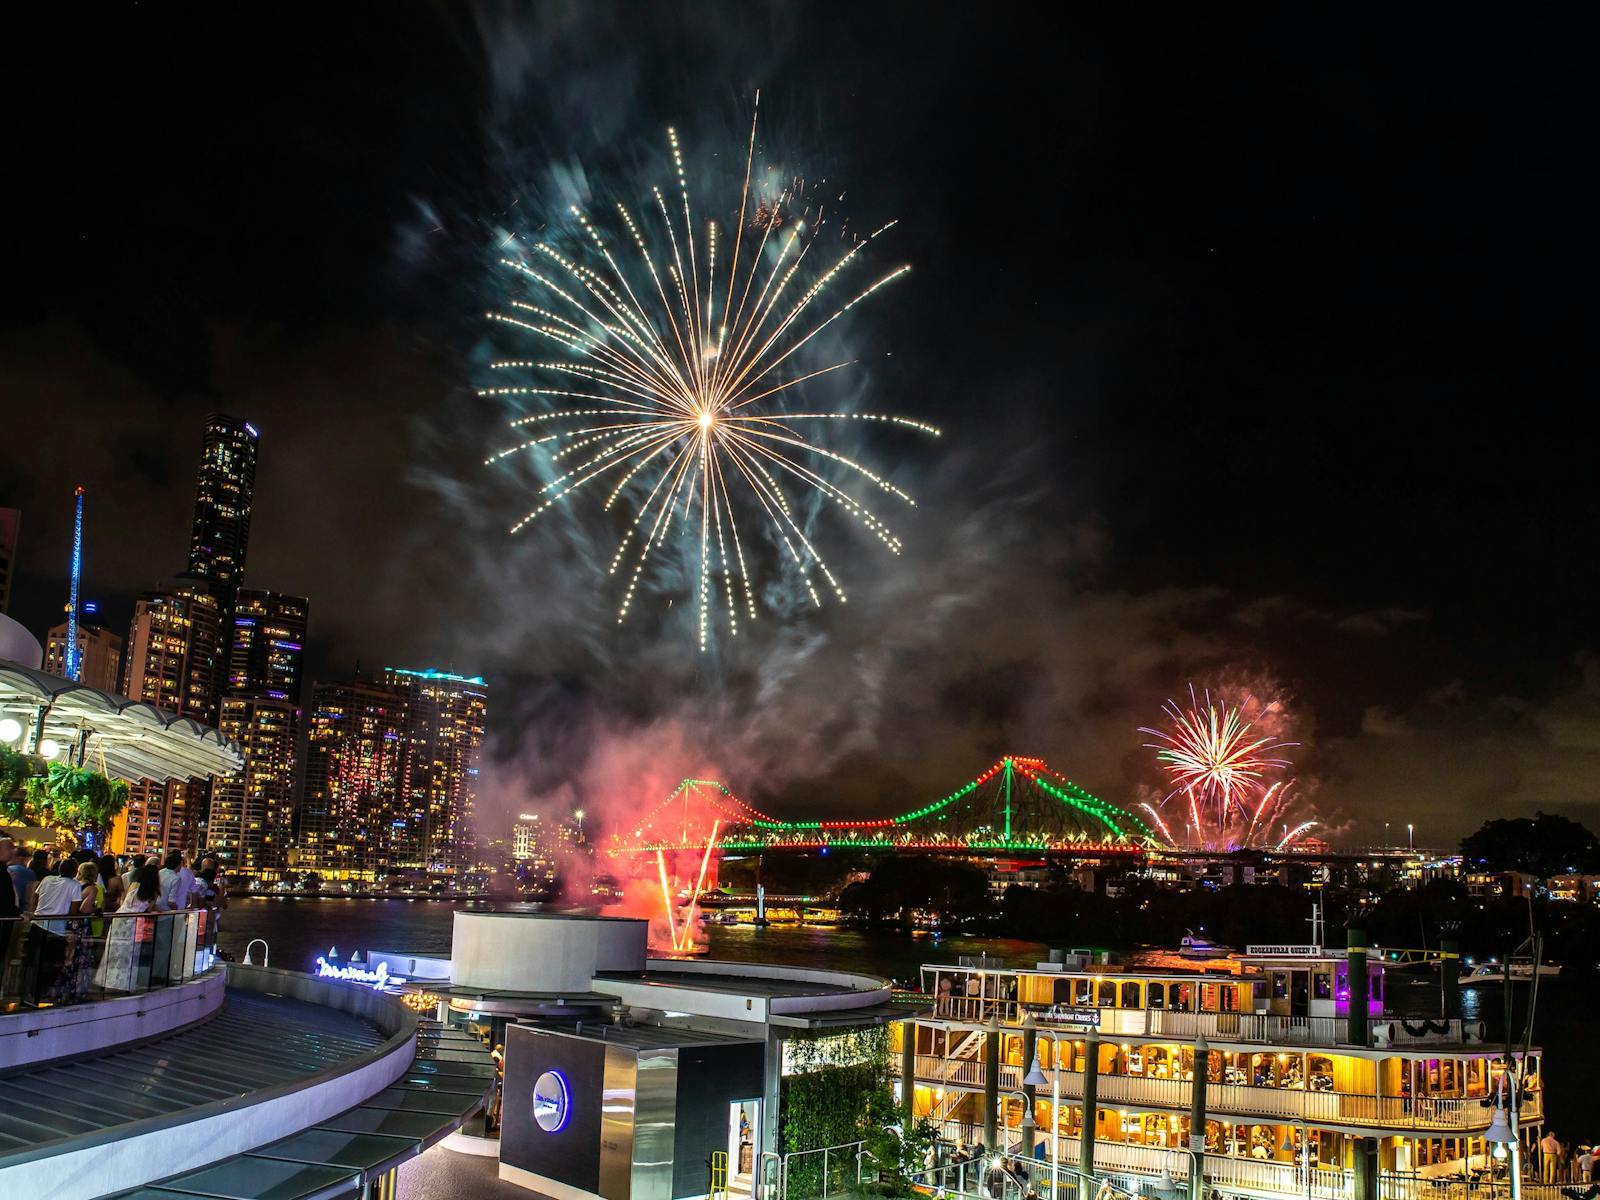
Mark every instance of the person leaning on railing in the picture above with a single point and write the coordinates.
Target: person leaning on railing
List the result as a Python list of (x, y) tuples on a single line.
[(52, 940), (134, 926)]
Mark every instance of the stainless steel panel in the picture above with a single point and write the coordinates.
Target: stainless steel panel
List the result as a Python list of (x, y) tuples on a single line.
[(616, 1123), (655, 1118)]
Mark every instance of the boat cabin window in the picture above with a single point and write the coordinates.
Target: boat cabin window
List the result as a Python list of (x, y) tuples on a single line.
[(1157, 993), (1082, 992), (1107, 997), (1180, 997), (1322, 985), (1130, 995), (1280, 985)]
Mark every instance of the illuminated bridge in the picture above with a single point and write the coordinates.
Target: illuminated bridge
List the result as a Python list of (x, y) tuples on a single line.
[(1016, 806)]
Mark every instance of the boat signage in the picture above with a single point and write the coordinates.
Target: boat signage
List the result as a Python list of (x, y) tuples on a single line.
[(1062, 1014), (1284, 951)]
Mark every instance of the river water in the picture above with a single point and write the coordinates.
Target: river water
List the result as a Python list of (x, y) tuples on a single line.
[(299, 929)]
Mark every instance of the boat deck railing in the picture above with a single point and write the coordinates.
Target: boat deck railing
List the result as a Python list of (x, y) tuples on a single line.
[(1420, 1113), (1268, 1029)]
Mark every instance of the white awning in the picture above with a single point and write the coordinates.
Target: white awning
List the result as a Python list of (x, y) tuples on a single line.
[(135, 740)]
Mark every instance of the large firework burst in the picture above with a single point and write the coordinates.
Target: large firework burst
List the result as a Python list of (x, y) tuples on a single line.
[(1220, 768), (673, 395)]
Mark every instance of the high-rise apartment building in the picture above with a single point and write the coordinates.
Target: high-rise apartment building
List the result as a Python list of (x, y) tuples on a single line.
[(175, 651), (356, 764), (266, 644), (251, 813), (224, 494), (99, 655), (174, 661), (447, 717), (10, 526)]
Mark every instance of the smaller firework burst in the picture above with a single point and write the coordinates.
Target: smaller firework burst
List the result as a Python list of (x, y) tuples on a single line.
[(1220, 770)]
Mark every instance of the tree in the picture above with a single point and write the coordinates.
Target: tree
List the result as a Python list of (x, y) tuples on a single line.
[(1543, 846)]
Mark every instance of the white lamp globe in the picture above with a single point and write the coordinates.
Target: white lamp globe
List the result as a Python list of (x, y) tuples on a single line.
[(10, 729), (49, 748)]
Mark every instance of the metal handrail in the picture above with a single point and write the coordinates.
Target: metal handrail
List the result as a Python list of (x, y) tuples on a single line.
[(63, 959)]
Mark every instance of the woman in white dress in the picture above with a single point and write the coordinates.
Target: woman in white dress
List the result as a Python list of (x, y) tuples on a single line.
[(121, 969)]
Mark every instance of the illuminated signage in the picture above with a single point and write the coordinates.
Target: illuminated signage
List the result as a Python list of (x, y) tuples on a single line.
[(552, 1101), (378, 980), (1062, 1014), (1284, 951)]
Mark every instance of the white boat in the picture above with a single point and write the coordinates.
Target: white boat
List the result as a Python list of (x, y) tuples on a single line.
[(1486, 974), (1194, 946)]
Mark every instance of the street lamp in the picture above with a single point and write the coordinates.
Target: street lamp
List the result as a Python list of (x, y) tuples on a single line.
[(1036, 1078)]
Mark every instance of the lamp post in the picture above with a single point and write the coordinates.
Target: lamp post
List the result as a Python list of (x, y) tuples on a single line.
[(1197, 1117), (1502, 1132), (1036, 1078)]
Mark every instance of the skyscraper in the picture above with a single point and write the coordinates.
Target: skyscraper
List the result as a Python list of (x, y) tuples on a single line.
[(174, 660), (266, 647), (251, 813), (224, 493), (447, 716), (10, 523), (175, 651), (356, 762), (99, 655)]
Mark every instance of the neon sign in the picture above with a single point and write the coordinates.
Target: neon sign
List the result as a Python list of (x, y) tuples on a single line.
[(378, 980)]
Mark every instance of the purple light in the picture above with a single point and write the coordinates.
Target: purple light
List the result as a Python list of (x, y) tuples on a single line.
[(286, 645), (243, 621)]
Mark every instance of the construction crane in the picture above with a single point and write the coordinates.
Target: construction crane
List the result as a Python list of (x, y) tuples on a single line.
[(74, 658)]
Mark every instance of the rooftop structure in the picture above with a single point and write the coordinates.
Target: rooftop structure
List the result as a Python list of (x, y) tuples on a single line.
[(254, 1084), (699, 1049), (134, 739)]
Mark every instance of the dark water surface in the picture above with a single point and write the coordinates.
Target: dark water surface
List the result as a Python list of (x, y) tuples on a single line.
[(297, 930)]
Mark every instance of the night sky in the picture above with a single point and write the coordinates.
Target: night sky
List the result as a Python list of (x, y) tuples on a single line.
[(1255, 340)]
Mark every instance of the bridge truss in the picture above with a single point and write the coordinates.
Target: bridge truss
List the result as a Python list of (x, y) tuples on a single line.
[(1016, 806)]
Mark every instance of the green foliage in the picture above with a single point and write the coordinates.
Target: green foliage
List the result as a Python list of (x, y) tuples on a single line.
[(15, 770), (951, 889), (840, 1092), (1543, 846), (68, 796)]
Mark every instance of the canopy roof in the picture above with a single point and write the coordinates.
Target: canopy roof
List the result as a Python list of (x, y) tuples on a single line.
[(135, 739)]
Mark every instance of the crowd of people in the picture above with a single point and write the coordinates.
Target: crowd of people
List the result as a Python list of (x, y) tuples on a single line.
[(69, 922)]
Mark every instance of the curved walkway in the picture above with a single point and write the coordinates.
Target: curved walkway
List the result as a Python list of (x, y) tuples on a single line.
[(256, 1041)]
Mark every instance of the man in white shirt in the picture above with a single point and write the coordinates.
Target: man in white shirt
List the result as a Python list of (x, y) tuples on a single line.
[(174, 890), (55, 896), (186, 883)]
